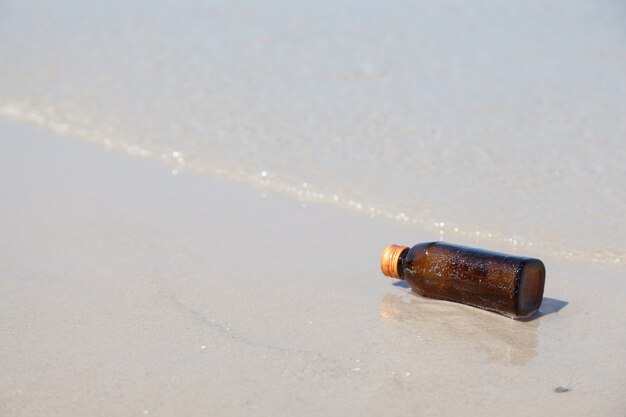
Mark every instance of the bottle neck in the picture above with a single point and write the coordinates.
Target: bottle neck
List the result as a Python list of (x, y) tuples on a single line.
[(400, 266)]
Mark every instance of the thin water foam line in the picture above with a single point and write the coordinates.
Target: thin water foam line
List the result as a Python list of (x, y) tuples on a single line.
[(305, 192)]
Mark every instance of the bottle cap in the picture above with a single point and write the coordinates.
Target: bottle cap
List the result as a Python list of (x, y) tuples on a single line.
[(389, 260)]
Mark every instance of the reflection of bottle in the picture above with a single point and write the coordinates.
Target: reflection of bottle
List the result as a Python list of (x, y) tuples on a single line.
[(510, 285), (409, 319)]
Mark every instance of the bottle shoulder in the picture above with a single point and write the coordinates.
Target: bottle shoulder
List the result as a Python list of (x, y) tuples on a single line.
[(420, 249)]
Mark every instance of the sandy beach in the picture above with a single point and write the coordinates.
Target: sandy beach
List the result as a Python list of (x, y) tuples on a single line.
[(127, 290), (195, 195)]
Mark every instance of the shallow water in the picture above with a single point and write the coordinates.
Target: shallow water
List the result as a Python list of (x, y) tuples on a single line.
[(499, 121)]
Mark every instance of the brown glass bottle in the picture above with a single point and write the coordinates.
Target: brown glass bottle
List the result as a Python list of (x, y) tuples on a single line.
[(510, 285)]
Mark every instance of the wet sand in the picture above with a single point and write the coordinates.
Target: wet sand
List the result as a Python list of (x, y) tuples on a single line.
[(126, 290)]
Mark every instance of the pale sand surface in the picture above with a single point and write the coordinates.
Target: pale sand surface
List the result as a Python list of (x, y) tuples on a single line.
[(125, 290)]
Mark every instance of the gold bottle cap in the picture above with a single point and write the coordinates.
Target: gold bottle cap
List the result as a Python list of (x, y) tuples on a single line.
[(389, 260)]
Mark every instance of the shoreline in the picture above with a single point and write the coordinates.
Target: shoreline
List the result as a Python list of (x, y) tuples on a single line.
[(305, 192), (128, 290)]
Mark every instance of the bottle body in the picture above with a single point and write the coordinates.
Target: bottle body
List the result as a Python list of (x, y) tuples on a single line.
[(510, 285)]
